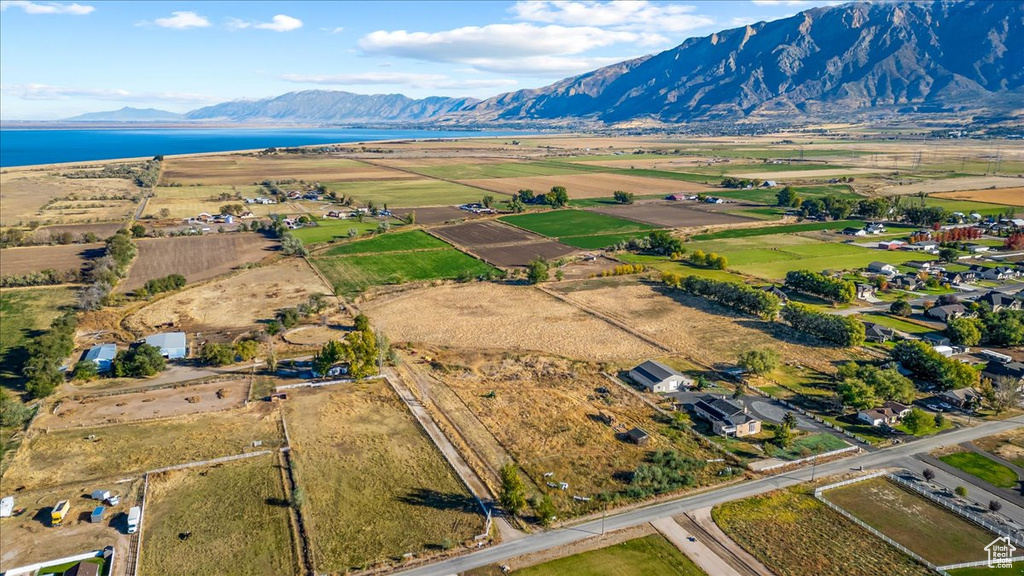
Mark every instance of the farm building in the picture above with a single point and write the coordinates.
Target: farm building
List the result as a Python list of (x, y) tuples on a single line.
[(102, 355), (777, 292), (638, 436), (97, 515), (854, 232), (657, 377), (172, 345), (726, 418), (892, 245), (882, 268)]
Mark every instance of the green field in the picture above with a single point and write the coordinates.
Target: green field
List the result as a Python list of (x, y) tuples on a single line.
[(769, 230), (1015, 570), (663, 264), (559, 223), (405, 193), (236, 516), (650, 556), (810, 445), (985, 468), (351, 275), (25, 312), (328, 230), (599, 241), (897, 323), (496, 170), (391, 242), (966, 206)]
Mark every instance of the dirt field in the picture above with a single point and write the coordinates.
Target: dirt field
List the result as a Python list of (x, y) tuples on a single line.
[(235, 515), (588, 185), (376, 488), (197, 258), (435, 214), (29, 538), (672, 214), (102, 231), (502, 245), (234, 304), (1008, 196), (146, 405), (498, 317), (700, 330), (55, 458), (952, 185), (247, 169), (26, 191), (1008, 446), (788, 175), (19, 261), (413, 163), (313, 335), (523, 254)]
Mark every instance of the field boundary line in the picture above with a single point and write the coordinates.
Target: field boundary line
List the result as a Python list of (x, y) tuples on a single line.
[(601, 316), (295, 514), (211, 461)]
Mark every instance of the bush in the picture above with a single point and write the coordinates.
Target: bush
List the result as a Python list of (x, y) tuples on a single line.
[(13, 414), (841, 330), (138, 362), (832, 289), (85, 370), (217, 354), (901, 308), (165, 284), (537, 271), (760, 362), (247, 349), (46, 354)]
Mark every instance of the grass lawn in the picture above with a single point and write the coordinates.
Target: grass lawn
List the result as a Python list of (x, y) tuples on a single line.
[(931, 531), (405, 193), (1015, 570), (236, 514), (328, 230), (392, 242), (559, 223), (768, 230), (26, 313), (985, 468), (650, 556), (897, 323), (810, 445), (351, 275), (794, 534), (496, 170)]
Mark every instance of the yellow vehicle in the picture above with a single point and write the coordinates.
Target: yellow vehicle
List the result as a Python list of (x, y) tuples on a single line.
[(59, 512)]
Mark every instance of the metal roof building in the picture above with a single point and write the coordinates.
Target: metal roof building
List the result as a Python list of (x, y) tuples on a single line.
[(103, 355), (172, 345)]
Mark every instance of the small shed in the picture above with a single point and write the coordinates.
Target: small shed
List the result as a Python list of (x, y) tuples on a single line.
[(638, 436), (97, 515), (100, 495)]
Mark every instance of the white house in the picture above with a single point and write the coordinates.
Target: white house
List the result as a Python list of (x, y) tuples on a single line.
[(657, 377), (882, 268)]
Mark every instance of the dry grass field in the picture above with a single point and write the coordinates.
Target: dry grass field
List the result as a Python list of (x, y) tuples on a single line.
[(952, 185), (102, 231), (589, 185), (235, 515), (498, 317), (376, 488), (19, 261), (790, 175), (189, 201), (233, 304), (54, 458), (248, 169), (700, 330), (1008, 196), (1008, 446), (197, 258), (26, 191)]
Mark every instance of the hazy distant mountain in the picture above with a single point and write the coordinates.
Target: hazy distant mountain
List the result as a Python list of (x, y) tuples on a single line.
[(128, 114), (332, 106)]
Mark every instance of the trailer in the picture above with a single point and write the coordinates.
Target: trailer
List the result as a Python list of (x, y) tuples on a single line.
[(134, 515), (100, 495), (59, 512)]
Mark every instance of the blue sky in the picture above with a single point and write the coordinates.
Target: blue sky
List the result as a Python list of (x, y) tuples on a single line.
[(58, 59)]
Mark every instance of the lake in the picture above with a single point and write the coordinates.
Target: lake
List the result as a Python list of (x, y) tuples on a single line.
[(27, 147)]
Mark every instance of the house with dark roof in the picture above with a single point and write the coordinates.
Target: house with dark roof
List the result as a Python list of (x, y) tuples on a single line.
[(998, 301), (772, 289), (906, 282), (947, 312), (961, 397), (657, 377), (726, 417), (877, 333), (998, 370)]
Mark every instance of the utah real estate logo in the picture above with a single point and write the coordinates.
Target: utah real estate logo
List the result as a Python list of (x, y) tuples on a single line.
[(1000, 552)]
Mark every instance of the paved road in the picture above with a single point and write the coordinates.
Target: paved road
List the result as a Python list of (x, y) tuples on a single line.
[(559, 537)]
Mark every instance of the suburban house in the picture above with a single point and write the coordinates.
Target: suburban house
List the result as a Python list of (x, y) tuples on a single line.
[(726, 418), (886, 414), (892, 244), (997, 370), (961, 398), (102, 355), (865, 291), (172, 345), (657, 377), (947, 312), (882, 268), (854, 232), (772, 289), (906, 282), (978, 248), (958, 277), (995, 273), (878, 333), (998, 301), (919, 264), (875, 228)]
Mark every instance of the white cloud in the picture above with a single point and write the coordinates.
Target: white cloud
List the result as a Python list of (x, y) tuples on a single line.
[(412, 80), (47, 92), (47, 7), (279, 23), (794, 2), (618, 14), (337, 30), (181, 20)]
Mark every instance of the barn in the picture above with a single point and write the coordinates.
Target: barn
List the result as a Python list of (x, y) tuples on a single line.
[(172, 345)]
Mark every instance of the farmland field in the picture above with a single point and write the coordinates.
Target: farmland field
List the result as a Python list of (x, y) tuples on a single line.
[(330, 229), (247, 169), (787, 229), (376, 488), (21, 261), (1008, 196), (190, 201), (897, 323), (931, 531), (502, 245), (523, 254), (32, 195), (235, 515), (588, 185), (952, 185), (599, 241), (406, 193), (434, 214), (351, 275), (493, 170), (795, 535), (393, 242), (558, 223), (651, 556), (26, 311), (672, 214), (501, 317), (982, 467), (197, 258)]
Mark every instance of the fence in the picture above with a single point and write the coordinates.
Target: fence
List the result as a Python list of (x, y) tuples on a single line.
[(322, 384), (943, 569), (814, 458), (820, 489)]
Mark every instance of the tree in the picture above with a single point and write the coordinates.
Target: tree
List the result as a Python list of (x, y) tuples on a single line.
[(293, 246), (789, 420), (246, 349), (527, 196), (138, 362), (512, 495), (760, 361), (330, 354), (545, 509), (13, 414), (856, 394), (915, 421), (948, 254), (1006, 394), (961, 491), (901, 308), (537, 271), (786, 197), (940, 420), (662, 242), (623, 197), (487, 200), (558, 197), (165, 212), (928, 474), (289, 318), (995, 505), (217, 354), (410, 218), (85, 370), (783, 437), (964, 331), (138, 230), (361, 322)]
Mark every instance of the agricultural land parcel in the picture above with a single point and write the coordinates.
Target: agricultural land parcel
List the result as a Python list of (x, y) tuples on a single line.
[(331, 229), (235, 515), (588, 185), (651, 556), (501, 244), (241, 169), (1008, 196), (21, 261), (26, 311), (196, 258), (408, 192), (376, 488), (27, 191), (190, 201), (673, 214)]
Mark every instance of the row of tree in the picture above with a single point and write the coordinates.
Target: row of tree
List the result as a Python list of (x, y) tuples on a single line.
[(928, 365), (711, 260), (46, 354), (48, 277), (224, 354), (841, 330), (1002, 328), (732, 294), (816, 284), (108, 270)]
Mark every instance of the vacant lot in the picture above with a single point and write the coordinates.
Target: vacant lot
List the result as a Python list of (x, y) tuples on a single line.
[(376, 488), (26, 312), (46, 197), (951, 185), (651, 556), (409, 192), (672, 214), (234, 304), (352, 275), (21, 261), (931, 531), (249, 169), (1008, 446), (197, 258), (558, 223), (190, 201), (588, 185), (476, 171), (982, 467), (235, 516), (500, 317), (53, 458), (1008, 196), (795, 535)]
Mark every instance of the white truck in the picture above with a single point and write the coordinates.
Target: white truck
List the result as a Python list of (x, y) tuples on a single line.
[(134, 515)]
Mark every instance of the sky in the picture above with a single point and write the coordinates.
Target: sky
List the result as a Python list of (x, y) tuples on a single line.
[(60, 59)]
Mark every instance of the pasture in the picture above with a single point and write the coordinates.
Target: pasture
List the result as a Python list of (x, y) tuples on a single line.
[(794, 534), (28, 259), (235, 515), (240, 169), (1007, 196), (557, 223), (650, 555), (26, 312), (331, 229), (587, 185), (376, 487), (455, 171), (354, 274), (197, 258), (46, 197), (673, 214), (189, 201), (952, 185), (785, 229), (408, 192), (392, 242), (931, 531)]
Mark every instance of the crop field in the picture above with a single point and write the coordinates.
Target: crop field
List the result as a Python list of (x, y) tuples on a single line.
[(523, 254), (429, 215), (672, 215), (502, 245), (28, 259), (931, 531), (235, 515), (354, 274), (197, 258), (651, 556), (982, 467), (557, 223), (1008, 446), (790, 172), (330, 229), (393, 242), (701, 330), (786, 229), (376, 487), (500, 317), (26, 311), (599, 241), (248, 169), (409, 192), (588, 185), (952, 185), (60, 457), (31, 195), (966, 206), (768, 195), (189, 201), (493, 170), (795, 535), (234, 304), (1007, 196)]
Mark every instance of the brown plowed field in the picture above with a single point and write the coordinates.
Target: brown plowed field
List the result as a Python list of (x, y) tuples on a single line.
[(522, 254), (245, 169), (20, 261), (473, 234), (434, 214), (589, 185), (195, 257), (501, 244), (672, 215)]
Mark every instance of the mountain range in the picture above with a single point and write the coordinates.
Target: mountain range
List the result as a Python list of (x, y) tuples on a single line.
[(865, 59)]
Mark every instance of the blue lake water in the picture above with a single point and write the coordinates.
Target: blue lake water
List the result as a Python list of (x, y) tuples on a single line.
[(26, 147)]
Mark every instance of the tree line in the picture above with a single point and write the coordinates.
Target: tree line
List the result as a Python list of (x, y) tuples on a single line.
[(928, 365), (832, 289), (732, 294), (841, 330)]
